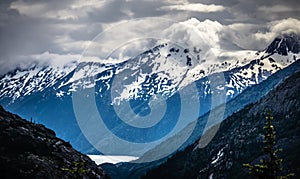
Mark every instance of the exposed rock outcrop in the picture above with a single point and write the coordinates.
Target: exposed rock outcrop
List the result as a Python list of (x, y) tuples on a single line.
[(29, 150)]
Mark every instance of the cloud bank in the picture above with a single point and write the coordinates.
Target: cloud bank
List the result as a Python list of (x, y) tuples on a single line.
[(197, 7), (35, 29), (257, 37)]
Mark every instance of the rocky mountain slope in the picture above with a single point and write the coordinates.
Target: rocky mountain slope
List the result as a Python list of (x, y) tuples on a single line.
[(30, 150), (248, 96), (239, 139)]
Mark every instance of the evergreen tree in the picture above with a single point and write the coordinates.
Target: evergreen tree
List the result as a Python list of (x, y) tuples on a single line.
[(271, 166)]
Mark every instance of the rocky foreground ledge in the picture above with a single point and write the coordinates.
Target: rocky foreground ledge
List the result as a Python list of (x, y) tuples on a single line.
[(29, 150)]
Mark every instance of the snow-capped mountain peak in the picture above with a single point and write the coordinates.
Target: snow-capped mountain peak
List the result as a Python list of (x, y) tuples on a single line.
[(284, 44), (23, 82)]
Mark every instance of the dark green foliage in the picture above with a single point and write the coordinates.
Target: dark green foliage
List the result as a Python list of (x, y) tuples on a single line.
[(77, 169), (271, 166)]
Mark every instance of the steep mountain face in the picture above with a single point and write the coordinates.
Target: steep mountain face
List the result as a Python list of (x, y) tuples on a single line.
[(30, 150), (285, 44), (248, 96), (240, 139), (42, 91)]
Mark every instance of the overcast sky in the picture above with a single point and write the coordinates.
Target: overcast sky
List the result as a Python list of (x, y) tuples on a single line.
[(35, 30)]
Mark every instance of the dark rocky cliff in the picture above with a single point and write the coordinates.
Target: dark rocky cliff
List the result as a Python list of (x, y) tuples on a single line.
[(29, 150)]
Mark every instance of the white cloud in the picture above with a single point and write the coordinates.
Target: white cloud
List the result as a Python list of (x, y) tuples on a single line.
[(258, 36), (128, 39), (40, 9), (277, 8), (195, 33), (46, 58), (197, 7), (32, 10), (285, 26), (54, 59), (277, 28), (133, 32), (243, 35), (87, 3)]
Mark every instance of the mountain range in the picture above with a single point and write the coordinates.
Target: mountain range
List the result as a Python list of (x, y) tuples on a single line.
[(249, 96), (41, 91), (137, 87)]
